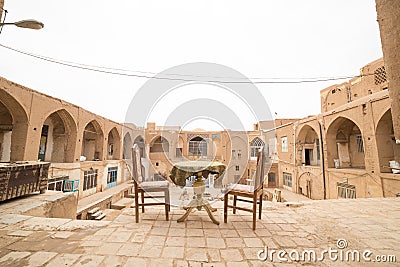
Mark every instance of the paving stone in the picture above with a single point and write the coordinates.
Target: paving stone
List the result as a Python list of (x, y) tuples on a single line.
[(196, 242), (155, 240), (15, 258), (213, 255), (136, 262), (150, 251), (194, 232), (175, 241), (129, 249), (119, 236), (40, 258), (89, 261), (82, 224), (113, 261), (231, 254), (20, 233), (173, 252), (63, 260), (62, 234), (13, 218), (234, 242), (107, 248), (237, 264), (160, 262), (215, 243), (196, 254), (253, 242)]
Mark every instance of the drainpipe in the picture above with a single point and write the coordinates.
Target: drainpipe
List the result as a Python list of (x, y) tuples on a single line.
[(294, 159), (322, 156)]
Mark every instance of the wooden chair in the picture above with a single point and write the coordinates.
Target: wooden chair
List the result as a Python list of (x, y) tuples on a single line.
[(141, 186), (251, 193)]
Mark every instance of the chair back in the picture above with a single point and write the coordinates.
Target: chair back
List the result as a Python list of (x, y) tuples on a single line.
[(258, 178), (137, 173)]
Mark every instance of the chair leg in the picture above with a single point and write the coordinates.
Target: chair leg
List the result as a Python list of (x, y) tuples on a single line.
[(137, 206), (234, 203), (254, 211), (226, 208), (142, 201), (166, 199), (260, 206)]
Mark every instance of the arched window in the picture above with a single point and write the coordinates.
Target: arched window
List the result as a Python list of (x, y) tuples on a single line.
[(255, 146), (198, 146)]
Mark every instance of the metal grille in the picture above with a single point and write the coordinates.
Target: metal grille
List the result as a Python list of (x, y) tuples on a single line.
[(380, 75), (90, 179), (287, 179), (346, 190), (360, 144)]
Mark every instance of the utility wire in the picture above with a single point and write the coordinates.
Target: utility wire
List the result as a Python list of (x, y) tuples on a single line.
[(147, 75), (4, 19)]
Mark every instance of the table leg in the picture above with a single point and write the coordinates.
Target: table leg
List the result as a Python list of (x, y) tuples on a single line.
[(207, 208), (184, 216)]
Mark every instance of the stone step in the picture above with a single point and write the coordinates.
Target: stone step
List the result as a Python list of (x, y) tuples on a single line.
[(100, 217), (94, 210), (98, 213)]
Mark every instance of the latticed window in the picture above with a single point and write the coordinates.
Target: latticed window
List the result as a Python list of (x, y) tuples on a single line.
[(360, 144), (287, 179), (198, 146), (318, 148), (112, 175), (90, 179), (255, 146), (380, 75), (346, 190)]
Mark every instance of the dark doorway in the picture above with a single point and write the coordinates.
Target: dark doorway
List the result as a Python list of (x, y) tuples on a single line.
[(271, 180), (307, 156), (43, 142)]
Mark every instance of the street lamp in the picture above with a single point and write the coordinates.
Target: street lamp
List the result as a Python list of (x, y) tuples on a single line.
[(27, 23)]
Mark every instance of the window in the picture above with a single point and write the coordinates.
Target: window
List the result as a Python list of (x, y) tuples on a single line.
[(380, 75), (284, 144), (237, 168), (360, 144), (287, 179), (239, 154), (272, 147), (90, 179), (318, 149), (346, 190), (255, 146), (110, 149), (198, 146), (178, 152), (112, 176)]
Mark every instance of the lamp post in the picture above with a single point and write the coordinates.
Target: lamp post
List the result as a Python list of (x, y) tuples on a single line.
[(28, 23)]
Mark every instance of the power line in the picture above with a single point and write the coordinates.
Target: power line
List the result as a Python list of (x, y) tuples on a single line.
[(144, 74)]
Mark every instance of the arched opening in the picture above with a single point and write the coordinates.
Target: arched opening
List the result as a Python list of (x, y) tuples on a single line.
[(92, 143), (308, 147), (255, 146), (58, 138), (179, 148), (198, 146), (345, 145), (142, 146), (388, 151), (113, 144), (13, 128), (159, 145), (127, 146)]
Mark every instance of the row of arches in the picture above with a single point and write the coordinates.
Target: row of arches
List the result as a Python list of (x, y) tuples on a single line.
[(345, 144), (59, 136)]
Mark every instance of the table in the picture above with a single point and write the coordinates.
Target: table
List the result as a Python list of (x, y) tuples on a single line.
[(183, 170)]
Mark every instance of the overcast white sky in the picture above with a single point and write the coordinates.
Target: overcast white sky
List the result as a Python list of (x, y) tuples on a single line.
[(285, 38)]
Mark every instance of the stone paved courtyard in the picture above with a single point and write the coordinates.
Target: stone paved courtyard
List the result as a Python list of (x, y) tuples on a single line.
[(316, 225)]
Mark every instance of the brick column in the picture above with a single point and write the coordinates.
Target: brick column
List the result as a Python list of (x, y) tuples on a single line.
[(389, 24)]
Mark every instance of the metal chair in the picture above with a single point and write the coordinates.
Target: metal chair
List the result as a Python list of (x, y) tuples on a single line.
[(141, 187), (252, 193)]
